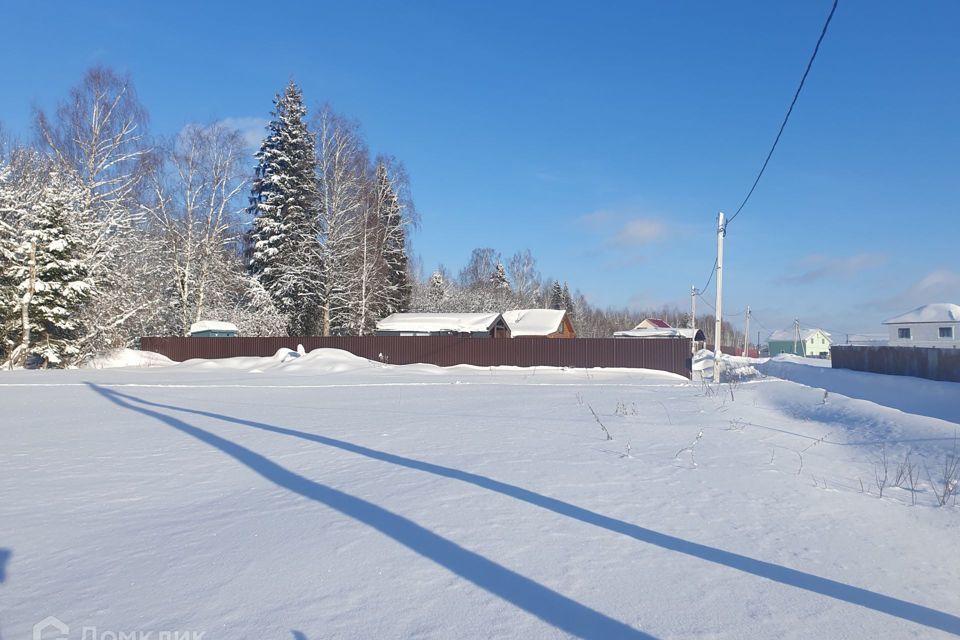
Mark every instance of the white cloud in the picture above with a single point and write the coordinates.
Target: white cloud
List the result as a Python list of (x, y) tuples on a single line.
[(251, 128), (819, 267), (940, 285), (639, 231)]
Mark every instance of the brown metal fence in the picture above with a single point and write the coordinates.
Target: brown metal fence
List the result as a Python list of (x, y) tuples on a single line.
[(665, 355), (921, 362)]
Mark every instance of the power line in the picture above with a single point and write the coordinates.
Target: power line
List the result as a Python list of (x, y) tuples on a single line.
[(783, 125), (710, 279)]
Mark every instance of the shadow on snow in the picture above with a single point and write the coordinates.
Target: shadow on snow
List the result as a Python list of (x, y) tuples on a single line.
[(379, 518), (548, 605)]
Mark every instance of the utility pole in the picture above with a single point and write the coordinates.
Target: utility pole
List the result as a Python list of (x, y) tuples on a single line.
[(746, 335), (721, 232), (796, 335), (693, 319)]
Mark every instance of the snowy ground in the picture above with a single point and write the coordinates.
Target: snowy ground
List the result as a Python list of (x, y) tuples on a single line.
[(330, 497)]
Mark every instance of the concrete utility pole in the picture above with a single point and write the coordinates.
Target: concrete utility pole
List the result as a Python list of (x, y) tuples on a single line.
[(721, 232), (746, 335), (693, 319), (796, 335)]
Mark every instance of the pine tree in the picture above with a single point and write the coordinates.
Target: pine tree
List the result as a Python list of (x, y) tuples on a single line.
[(436, 292), (556, 296), (567, 303), (498, 279), (284, 203)]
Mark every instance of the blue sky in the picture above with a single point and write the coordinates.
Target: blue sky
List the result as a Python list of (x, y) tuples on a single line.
[(603, 136)]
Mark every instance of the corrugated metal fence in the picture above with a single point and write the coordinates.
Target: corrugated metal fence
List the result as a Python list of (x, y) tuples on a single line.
[(666, 355), (921, 362)]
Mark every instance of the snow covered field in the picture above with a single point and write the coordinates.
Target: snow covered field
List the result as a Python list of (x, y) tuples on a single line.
[(324, 496)]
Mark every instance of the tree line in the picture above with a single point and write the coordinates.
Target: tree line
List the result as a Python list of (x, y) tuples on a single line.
[(109, 233)]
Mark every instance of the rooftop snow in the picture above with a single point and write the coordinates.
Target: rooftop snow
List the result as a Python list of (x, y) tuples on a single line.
[(940, 312), (212, 325), (656, 333), (534, 322), (437, 322)]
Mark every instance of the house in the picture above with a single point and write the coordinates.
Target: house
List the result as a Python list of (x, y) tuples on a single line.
[(812, 343), (475, 325), (932, 325), (213, 329), (655, 328), (652, 323), (544, 323)]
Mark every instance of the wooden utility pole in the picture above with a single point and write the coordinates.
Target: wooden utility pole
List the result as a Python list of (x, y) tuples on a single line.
[(721, 232)]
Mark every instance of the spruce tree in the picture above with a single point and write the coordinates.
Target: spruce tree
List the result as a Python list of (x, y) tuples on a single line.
[(556, 296), (283, 203), (498, 279), (63, 278), (398, 288), (567, 304)]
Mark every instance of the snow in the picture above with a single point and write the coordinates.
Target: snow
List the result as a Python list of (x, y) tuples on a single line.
[(128, 358), (324, 495), (940, 312), (434, 322), (212, 325), (533, 322), (786, 335)]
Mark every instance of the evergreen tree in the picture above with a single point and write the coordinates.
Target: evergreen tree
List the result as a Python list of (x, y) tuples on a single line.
[(498, 279), (556, 296), (61, 286), (567, 299), (283, 203), (398, 289), (436, 292)]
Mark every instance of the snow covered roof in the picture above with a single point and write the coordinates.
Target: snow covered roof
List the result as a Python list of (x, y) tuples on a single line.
[(653, 323), (787, 335), (940, 312), (534, 322), (212, 325), (438, 322), (669, 332)]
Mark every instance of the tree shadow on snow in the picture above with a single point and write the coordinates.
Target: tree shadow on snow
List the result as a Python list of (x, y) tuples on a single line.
[(4, 557), (777, 573), (547, 605)]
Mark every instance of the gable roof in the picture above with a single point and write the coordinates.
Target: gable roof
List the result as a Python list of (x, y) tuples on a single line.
[(787, 335), (939, 312), (439, 322), (534, 322), (653, 323)]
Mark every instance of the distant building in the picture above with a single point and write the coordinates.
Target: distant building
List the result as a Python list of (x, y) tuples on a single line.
[(213, 329), (654, 328), (812, 343), (474, 325), (544, 323), (932, 325)]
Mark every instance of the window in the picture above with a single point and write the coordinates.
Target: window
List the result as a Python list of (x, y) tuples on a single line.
[(903, 333), (946, 333)]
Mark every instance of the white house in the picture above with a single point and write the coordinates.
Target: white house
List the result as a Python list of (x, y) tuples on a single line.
[(477, 325), (812, 343), (932, 325)]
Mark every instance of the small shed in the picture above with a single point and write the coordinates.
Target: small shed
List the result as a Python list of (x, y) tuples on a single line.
[(932, 325), (542, 323), (812, 343), (474, 325), (213, 329)]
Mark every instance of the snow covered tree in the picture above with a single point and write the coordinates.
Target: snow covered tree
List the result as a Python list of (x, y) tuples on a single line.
[(498, 279), (60, 277), (100, 135), (343, 176), (196, 216), (525, 279), (391, 218), (567, 299), (556, 296), (284, 202)]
